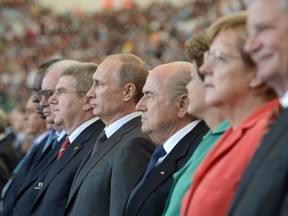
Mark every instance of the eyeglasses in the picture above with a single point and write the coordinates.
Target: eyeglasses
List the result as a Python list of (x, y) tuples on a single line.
[(46, 93), (217, 56)]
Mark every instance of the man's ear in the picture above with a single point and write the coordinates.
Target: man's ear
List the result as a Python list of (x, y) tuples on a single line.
[(182, 105), (86, 104), (129, 91)]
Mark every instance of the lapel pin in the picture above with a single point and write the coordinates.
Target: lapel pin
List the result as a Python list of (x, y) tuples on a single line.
[(76, 148), (162, 172), (39, 186)]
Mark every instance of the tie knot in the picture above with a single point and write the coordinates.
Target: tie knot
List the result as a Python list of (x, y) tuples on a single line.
[(102, 136), (66, 142), (63, 147), (159, 152)]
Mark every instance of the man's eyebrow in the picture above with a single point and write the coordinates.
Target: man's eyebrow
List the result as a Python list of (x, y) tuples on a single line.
[(146, 92), (59, 89)]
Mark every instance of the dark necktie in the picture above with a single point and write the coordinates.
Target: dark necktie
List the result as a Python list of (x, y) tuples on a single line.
[(157, 154), (101, 138), (63, 147)]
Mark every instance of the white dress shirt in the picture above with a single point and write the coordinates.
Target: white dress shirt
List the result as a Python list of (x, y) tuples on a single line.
[(82, 127), (175, 138), (111, 129), (284, 100)]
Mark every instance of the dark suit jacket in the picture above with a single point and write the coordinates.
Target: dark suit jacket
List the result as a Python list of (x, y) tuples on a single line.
[(8, 199), (53, 195), (104, 181), (264, 185), (28, 192), (151, 197), (8, 153), (8, 159)]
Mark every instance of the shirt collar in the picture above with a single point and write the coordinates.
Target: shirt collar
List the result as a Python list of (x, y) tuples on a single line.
[(175, 138), (40, 138), (284, 100), (61, 135), (111, 129), (80, 128)]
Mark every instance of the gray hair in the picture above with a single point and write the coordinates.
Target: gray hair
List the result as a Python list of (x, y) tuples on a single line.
[(178, 82), (62, 64), (82, 73)]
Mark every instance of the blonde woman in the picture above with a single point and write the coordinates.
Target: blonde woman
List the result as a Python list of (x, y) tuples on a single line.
[(231, 86)]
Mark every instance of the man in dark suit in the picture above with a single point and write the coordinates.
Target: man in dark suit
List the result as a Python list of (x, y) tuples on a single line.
[(26, 195), (106, 176), (36, 127), (263, 188), (8, 155), (17, 181), (166, 120), (73, 111)]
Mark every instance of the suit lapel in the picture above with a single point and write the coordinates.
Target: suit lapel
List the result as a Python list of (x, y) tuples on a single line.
[(167, 167), (51, 156), (69, 154), (89, 162), (219, 150), (47, 161)]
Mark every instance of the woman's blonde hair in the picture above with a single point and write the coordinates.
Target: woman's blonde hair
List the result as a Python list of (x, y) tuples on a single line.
[(237, 23)]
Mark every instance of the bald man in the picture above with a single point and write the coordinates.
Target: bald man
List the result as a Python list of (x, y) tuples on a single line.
[(166, 120)]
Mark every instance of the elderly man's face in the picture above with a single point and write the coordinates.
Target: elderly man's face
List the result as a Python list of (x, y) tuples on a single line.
[(267, 42), (159, 111), (67, 105)]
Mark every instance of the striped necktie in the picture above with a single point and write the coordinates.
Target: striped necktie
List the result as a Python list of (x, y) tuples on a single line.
[(63, 147)]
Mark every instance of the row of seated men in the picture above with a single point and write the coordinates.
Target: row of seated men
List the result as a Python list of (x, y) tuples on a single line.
[(180, 139)]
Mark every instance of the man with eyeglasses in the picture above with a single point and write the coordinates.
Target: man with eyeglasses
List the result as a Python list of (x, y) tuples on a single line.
[(38, 82), (72, 111), (15, 183), (35, 128), (47, 153)]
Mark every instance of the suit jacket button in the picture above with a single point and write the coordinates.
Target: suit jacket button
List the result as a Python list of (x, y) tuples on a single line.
[(15, 209)]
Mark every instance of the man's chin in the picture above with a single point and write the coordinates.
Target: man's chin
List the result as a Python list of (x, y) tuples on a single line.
[(145, 130)]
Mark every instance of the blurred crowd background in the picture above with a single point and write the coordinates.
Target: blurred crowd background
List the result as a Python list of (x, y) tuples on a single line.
[(31, 34)]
